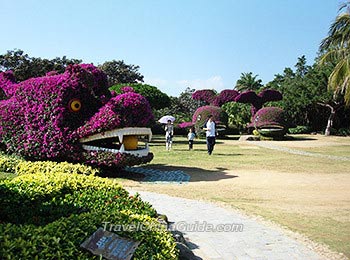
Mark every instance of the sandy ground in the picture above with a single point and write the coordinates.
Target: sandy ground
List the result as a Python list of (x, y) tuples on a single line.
[(303, 193)]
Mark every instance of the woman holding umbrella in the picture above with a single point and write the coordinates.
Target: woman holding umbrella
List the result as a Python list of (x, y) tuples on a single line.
[(169, 130)]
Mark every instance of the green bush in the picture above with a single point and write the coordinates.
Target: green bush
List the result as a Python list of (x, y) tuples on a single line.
[(344, 131), (48, 167), (300, 129), (8, 163), (155, 97), (18, 166), (46, 216)]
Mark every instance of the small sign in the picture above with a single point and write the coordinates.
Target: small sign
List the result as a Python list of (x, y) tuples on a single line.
[(110, 245)]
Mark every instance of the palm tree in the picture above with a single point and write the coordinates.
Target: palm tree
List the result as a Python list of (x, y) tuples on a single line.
[(335, 48), (248, 82)]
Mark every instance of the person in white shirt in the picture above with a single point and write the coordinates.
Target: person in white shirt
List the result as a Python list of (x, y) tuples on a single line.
[(169, 132), (210, 134)]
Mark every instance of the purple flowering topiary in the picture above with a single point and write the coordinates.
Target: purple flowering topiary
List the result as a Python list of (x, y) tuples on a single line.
[(257, 101), (269, 116), (270, 121), (185, 124), (212, 98), (206, 95), (7, 79), (215, 101), (127, 89), (225, 96), (270, 95), (73, 117), (2, 94)]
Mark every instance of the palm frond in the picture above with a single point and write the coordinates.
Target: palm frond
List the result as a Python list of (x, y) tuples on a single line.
[(334, 55), (338, 80), (339, 33)]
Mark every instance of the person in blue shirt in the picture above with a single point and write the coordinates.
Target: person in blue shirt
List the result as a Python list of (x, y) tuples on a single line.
[(191, 135), (210, 134)]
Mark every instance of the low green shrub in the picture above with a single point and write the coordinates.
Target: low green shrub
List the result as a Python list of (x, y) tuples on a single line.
[(18, 166), (46, 216), (48, 167), (344, 132), (8, 163), (300, 129)]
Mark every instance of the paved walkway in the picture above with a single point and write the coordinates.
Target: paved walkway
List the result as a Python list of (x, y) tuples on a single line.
[(244, 238)]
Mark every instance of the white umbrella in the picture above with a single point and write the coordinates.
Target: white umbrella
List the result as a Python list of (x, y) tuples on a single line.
[(164, 119)]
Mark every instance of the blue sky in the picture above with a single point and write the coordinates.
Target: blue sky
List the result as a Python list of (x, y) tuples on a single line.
[(177, 44)]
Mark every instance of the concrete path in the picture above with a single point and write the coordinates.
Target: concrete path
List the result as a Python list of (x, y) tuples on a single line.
[(217, 233)]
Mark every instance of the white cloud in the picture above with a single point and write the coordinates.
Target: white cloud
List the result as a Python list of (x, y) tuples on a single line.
[(214, 82)]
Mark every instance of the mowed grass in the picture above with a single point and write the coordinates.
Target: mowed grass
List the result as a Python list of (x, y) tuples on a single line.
[(309, 195)]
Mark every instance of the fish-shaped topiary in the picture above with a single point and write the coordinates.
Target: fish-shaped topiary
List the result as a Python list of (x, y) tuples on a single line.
[(270, 121), (74, 117)]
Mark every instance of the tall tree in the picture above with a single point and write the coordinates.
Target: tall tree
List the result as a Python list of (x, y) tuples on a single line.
[(118, 72), (188, 103), (25, 67), (303, 91), (336, 49), (248, 82)]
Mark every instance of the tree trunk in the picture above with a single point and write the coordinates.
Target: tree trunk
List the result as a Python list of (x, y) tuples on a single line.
[(331, 117), (330, 122)]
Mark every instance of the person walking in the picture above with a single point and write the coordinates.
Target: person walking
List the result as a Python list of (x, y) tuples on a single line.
[(169, 132), (210, 134), (191, 135)]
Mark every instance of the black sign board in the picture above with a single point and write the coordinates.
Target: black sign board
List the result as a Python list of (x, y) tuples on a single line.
[(110, 245)]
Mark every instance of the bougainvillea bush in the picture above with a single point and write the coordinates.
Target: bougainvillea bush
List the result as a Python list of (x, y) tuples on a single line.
[(225, 96), (257, 100), (270, 121), (185, 125), (212, 98), (214, 101), (46, 118), (206, 95)]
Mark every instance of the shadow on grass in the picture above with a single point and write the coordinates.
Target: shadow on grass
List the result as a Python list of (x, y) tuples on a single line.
[(196, 174)]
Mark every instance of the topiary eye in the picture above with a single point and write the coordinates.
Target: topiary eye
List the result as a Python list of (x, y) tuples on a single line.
[(74, 105)]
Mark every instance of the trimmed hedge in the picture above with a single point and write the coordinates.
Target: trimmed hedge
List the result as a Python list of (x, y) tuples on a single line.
[(48, 216), (18, 166), (300, 129)]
